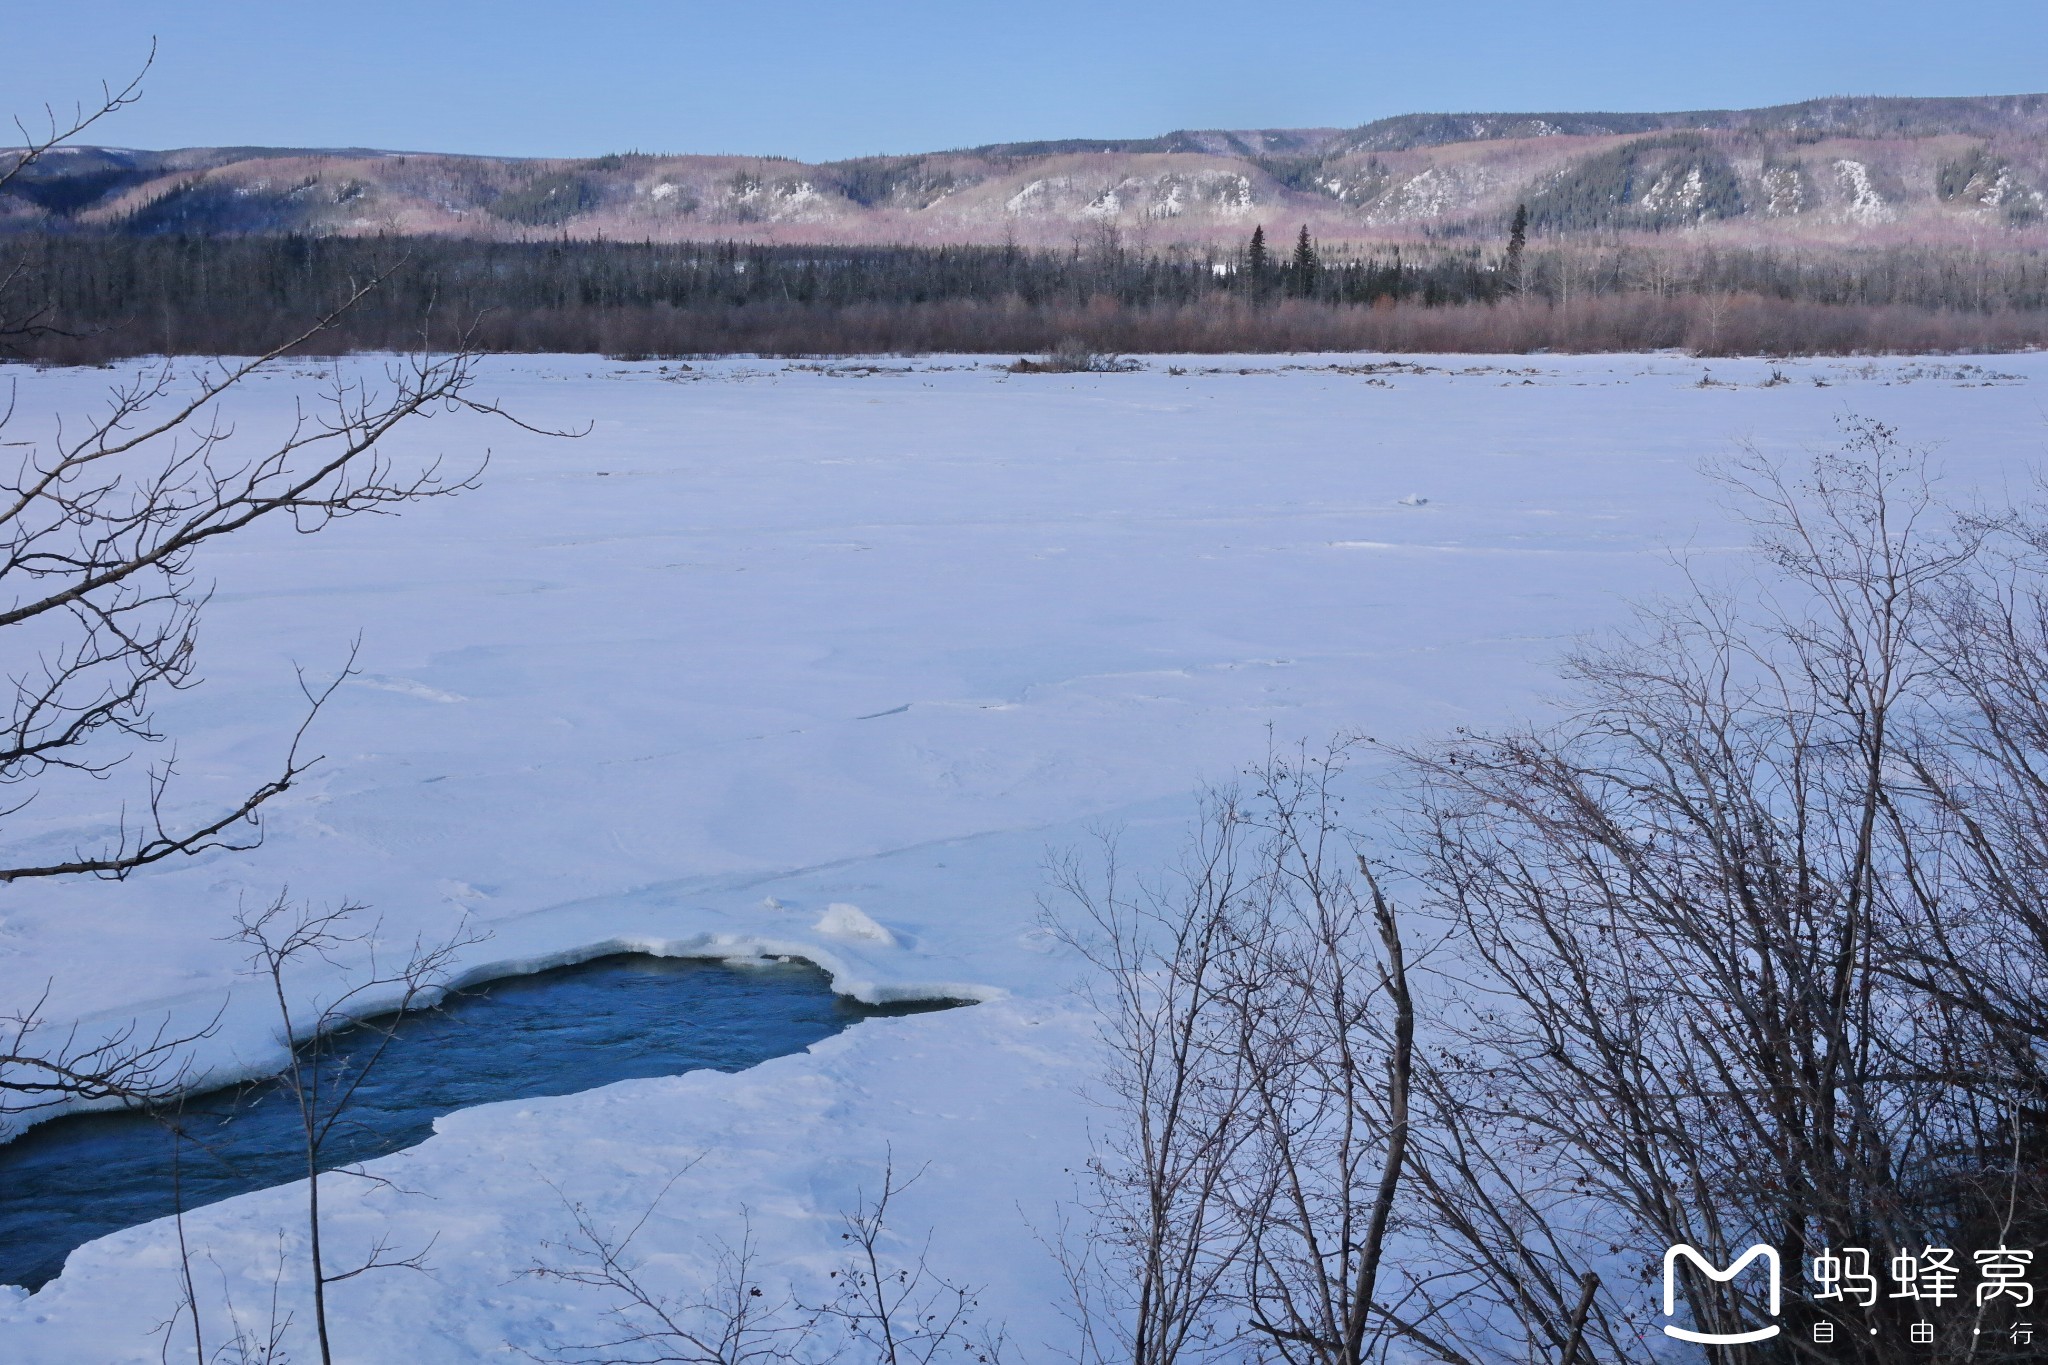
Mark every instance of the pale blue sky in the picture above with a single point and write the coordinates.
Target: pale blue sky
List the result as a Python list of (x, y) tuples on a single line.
[(815, 79)]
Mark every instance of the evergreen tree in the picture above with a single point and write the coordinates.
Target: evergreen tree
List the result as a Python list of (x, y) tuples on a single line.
[(1257, 260), (1518, 238), (1305, 264)]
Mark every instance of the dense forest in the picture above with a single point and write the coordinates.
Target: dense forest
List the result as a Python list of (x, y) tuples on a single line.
[(84, 297)]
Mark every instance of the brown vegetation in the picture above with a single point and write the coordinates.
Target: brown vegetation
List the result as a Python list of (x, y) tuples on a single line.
[(1721, 325), (1736, 324)]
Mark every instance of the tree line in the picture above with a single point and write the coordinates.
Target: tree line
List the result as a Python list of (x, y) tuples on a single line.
[(87, 298)]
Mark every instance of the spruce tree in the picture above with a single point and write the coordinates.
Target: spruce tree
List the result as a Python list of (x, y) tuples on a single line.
[(1305, 264), (1256, 258), (1518, 238)]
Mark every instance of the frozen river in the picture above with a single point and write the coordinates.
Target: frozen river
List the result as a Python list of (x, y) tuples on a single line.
[(774, 641)]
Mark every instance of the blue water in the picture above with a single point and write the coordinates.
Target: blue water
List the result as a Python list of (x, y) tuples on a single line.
[(73, 1179)]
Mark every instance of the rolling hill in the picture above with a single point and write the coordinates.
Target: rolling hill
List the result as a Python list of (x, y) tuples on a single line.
[(1831, 171)]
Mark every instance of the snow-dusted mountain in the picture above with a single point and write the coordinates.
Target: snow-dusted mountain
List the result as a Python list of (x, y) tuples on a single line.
[(1828, 170)]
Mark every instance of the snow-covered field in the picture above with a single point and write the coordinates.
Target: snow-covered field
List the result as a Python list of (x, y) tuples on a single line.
[(774, 638)]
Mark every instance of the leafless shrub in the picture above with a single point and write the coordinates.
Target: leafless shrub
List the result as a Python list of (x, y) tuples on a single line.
[(284, 938), (1703, 1019), (733, 1321), (1074, 356), (1260, 1033), (1748, 948), (247, 1341), (1159, 1195), (1322, 1009), (901, 1312), (879, 1306)]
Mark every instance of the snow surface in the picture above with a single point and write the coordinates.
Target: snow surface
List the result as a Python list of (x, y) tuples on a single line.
[(776, 641), (844, 921)]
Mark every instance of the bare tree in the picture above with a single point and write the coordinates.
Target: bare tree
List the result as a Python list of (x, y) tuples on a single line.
[(102, 523), (1700, 1018), (1977, 919), (901, 1312), (370, 997), (1175, 1090), (284, 938), (103, 520), (1325, 1021), (732, 1322), (246, 1341), (98, 531), (1260, 1035), (1967, 913), (1749, 947), (24, 319), (128, 1064), (1495, 1233), (884, 1308)]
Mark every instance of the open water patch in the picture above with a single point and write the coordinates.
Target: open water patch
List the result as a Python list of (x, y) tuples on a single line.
[(74, 1179)]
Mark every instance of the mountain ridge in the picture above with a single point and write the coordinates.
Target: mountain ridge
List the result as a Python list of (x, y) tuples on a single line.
[(1836, 169)]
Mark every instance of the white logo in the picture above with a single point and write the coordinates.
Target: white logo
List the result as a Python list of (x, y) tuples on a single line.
[(1769, 1255)]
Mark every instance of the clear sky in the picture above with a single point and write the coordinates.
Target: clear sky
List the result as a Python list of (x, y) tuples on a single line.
[(819, 79)]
